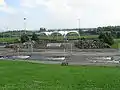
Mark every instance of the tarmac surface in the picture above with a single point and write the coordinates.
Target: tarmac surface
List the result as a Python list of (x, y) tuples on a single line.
[(79, 57)]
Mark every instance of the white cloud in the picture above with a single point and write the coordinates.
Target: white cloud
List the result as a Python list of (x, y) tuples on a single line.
[(5, 8), (32, 3), (54, 7), (2, 3), (28, 3), (91, 12)]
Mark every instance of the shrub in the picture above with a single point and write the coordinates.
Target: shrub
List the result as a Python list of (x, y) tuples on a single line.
[(24, 38), (106, 38)]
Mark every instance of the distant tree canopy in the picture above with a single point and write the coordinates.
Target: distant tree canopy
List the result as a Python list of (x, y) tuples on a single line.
[(117, 35), (24, 38), (88, 32), (42, 29), (34, 37), (114, 30), (108, 28)]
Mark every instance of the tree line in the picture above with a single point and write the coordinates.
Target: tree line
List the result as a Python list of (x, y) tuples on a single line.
[(114, 30), (25, 38)]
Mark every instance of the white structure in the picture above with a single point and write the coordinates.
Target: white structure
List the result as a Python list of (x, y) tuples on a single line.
[(46, 33), (54, 45), (63, 33)]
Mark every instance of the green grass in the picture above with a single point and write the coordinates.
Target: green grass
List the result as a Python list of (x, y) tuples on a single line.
[(116, 44), (69, 37), (28, 76), (12, 40), (9, 40), (90, 36)]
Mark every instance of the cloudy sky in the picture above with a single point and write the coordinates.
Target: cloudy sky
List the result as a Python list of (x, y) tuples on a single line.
[(58, 13)]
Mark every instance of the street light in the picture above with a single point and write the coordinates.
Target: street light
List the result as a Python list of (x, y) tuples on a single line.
[(64, 63), (79, 26), (25, 24), (64, 45), (79, 23), (71, 48), (30, 46)]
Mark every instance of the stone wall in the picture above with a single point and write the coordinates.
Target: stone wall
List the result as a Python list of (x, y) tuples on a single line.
[(91, 44)]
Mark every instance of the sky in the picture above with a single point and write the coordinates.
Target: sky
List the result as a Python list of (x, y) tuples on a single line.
[(55, 14)]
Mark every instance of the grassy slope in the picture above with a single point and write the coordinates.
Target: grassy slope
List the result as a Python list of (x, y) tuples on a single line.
[(116, 44), (9, 40), (70, 37), (90, 36), (28, 76)]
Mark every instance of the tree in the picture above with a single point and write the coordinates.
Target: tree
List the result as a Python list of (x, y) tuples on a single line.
[(99, 30), (42, 29), (24, 38), (106, 38), (80, 31), (34, 37), (118, 35)]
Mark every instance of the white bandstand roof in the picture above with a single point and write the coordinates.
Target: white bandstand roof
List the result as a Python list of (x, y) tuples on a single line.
[(63, 33)]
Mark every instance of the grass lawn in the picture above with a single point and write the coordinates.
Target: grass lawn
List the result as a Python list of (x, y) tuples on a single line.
[(90, 36), (28, 76), (116, 45), (12, 40), (69, 37), (9, 40)]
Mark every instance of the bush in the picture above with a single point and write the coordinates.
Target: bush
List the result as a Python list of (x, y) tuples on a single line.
[(34, 37), (24, 38), (106, 38)]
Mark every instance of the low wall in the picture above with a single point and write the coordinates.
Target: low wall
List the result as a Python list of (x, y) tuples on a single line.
[(95, 50)]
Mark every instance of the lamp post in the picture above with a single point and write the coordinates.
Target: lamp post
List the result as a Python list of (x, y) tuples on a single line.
[(118, 47), (79, 26), (30, 46), (57, 35), (64, 43), (25, 24), (79, 23), (71, 48), (64, 63)]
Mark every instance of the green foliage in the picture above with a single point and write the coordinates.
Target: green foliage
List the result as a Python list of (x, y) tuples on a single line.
[(118, 35), (24, 38), (34, 37), (106, 38), (105, 29), (114, 30)]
